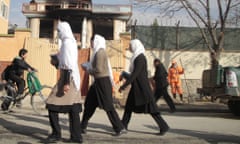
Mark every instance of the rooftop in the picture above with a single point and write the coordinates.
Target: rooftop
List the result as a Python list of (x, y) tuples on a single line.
[(79, 7)]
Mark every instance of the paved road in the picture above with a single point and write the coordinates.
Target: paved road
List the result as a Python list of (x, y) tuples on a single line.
[(200, 123)]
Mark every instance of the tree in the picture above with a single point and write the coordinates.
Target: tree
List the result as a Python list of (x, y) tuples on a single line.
[(155, 23), (210, 16), (234, 18)]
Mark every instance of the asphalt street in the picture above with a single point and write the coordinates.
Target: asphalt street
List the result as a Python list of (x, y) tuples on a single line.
[(198, 123)]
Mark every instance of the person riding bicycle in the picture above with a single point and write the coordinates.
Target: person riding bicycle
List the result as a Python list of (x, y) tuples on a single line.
[(15, 74)]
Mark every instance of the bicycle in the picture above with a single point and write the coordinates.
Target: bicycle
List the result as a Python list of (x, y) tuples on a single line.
[(34, 89)]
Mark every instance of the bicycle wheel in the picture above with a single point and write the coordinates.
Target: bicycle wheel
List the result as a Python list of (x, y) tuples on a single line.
[(38, 100), (8, 98), (7, 103)]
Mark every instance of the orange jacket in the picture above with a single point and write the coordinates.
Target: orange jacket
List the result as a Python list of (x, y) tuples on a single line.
[(174, 74)]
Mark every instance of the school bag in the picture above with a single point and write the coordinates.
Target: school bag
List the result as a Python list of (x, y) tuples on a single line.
[(6, 72)]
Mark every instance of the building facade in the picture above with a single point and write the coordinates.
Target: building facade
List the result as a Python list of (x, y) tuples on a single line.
[(84, 17), (4, 13)]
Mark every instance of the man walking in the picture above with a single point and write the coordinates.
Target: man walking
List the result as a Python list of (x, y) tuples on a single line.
[(161, 84)]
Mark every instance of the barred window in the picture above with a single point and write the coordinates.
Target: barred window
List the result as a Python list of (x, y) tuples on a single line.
[(3, 10)]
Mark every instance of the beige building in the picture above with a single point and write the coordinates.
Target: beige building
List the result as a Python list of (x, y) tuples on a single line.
[(4, 13), (84, 17), (41, 35)]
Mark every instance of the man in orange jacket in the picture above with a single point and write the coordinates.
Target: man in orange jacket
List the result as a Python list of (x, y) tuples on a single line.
[(174, 80)]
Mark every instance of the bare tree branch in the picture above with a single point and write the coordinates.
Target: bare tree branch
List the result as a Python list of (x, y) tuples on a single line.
[(226, 13), (202, 3), (220, 12), (201, 30), (200, 12), (235, 5), (188, 5)]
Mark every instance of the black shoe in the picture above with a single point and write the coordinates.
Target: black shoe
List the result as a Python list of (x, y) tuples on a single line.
[(124, 125), (4, 107), (6, 103), (123, 131), (173, 110), (83, 131), (75, 140), (163, 131), (53, 138)]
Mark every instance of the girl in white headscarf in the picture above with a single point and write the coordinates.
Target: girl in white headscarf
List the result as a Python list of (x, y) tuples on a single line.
[(65, 96), (100, 92), (137, 48), (99, 42), (140, 98)]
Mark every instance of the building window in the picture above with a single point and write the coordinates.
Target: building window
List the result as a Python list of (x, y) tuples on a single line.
[(46, 29), (4, 10)]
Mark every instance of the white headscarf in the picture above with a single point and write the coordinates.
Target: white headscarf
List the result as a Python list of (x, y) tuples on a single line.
[(137, 49), (98, 43), (68, 55)]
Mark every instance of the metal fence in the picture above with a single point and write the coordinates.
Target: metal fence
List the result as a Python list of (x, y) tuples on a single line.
[(166, 38)]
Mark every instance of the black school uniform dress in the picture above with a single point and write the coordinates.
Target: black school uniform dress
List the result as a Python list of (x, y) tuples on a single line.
[(100, 93), (161, 83), (140, 98)]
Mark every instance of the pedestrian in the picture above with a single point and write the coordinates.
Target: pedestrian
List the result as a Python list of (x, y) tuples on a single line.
[(161, 84), (140, 98), (65, 96), (174, 73), (100, 92), (15, 73)]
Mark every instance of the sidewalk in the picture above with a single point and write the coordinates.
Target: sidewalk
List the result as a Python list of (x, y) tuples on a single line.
[(197, 106)]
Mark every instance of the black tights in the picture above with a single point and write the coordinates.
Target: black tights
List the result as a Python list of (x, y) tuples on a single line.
[(74, 124), (156, 116), (112, 116)]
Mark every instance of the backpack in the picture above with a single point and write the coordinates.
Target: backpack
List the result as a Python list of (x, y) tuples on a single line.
[(5, 73)]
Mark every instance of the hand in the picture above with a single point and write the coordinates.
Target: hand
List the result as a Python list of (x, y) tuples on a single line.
[(120, 89), (53, 62), (32, 70), (66, 88), (120, 78), (84, 68)]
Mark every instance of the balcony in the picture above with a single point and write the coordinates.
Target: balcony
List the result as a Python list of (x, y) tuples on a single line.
[(112, 9), (72, 8), (44, 8)]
